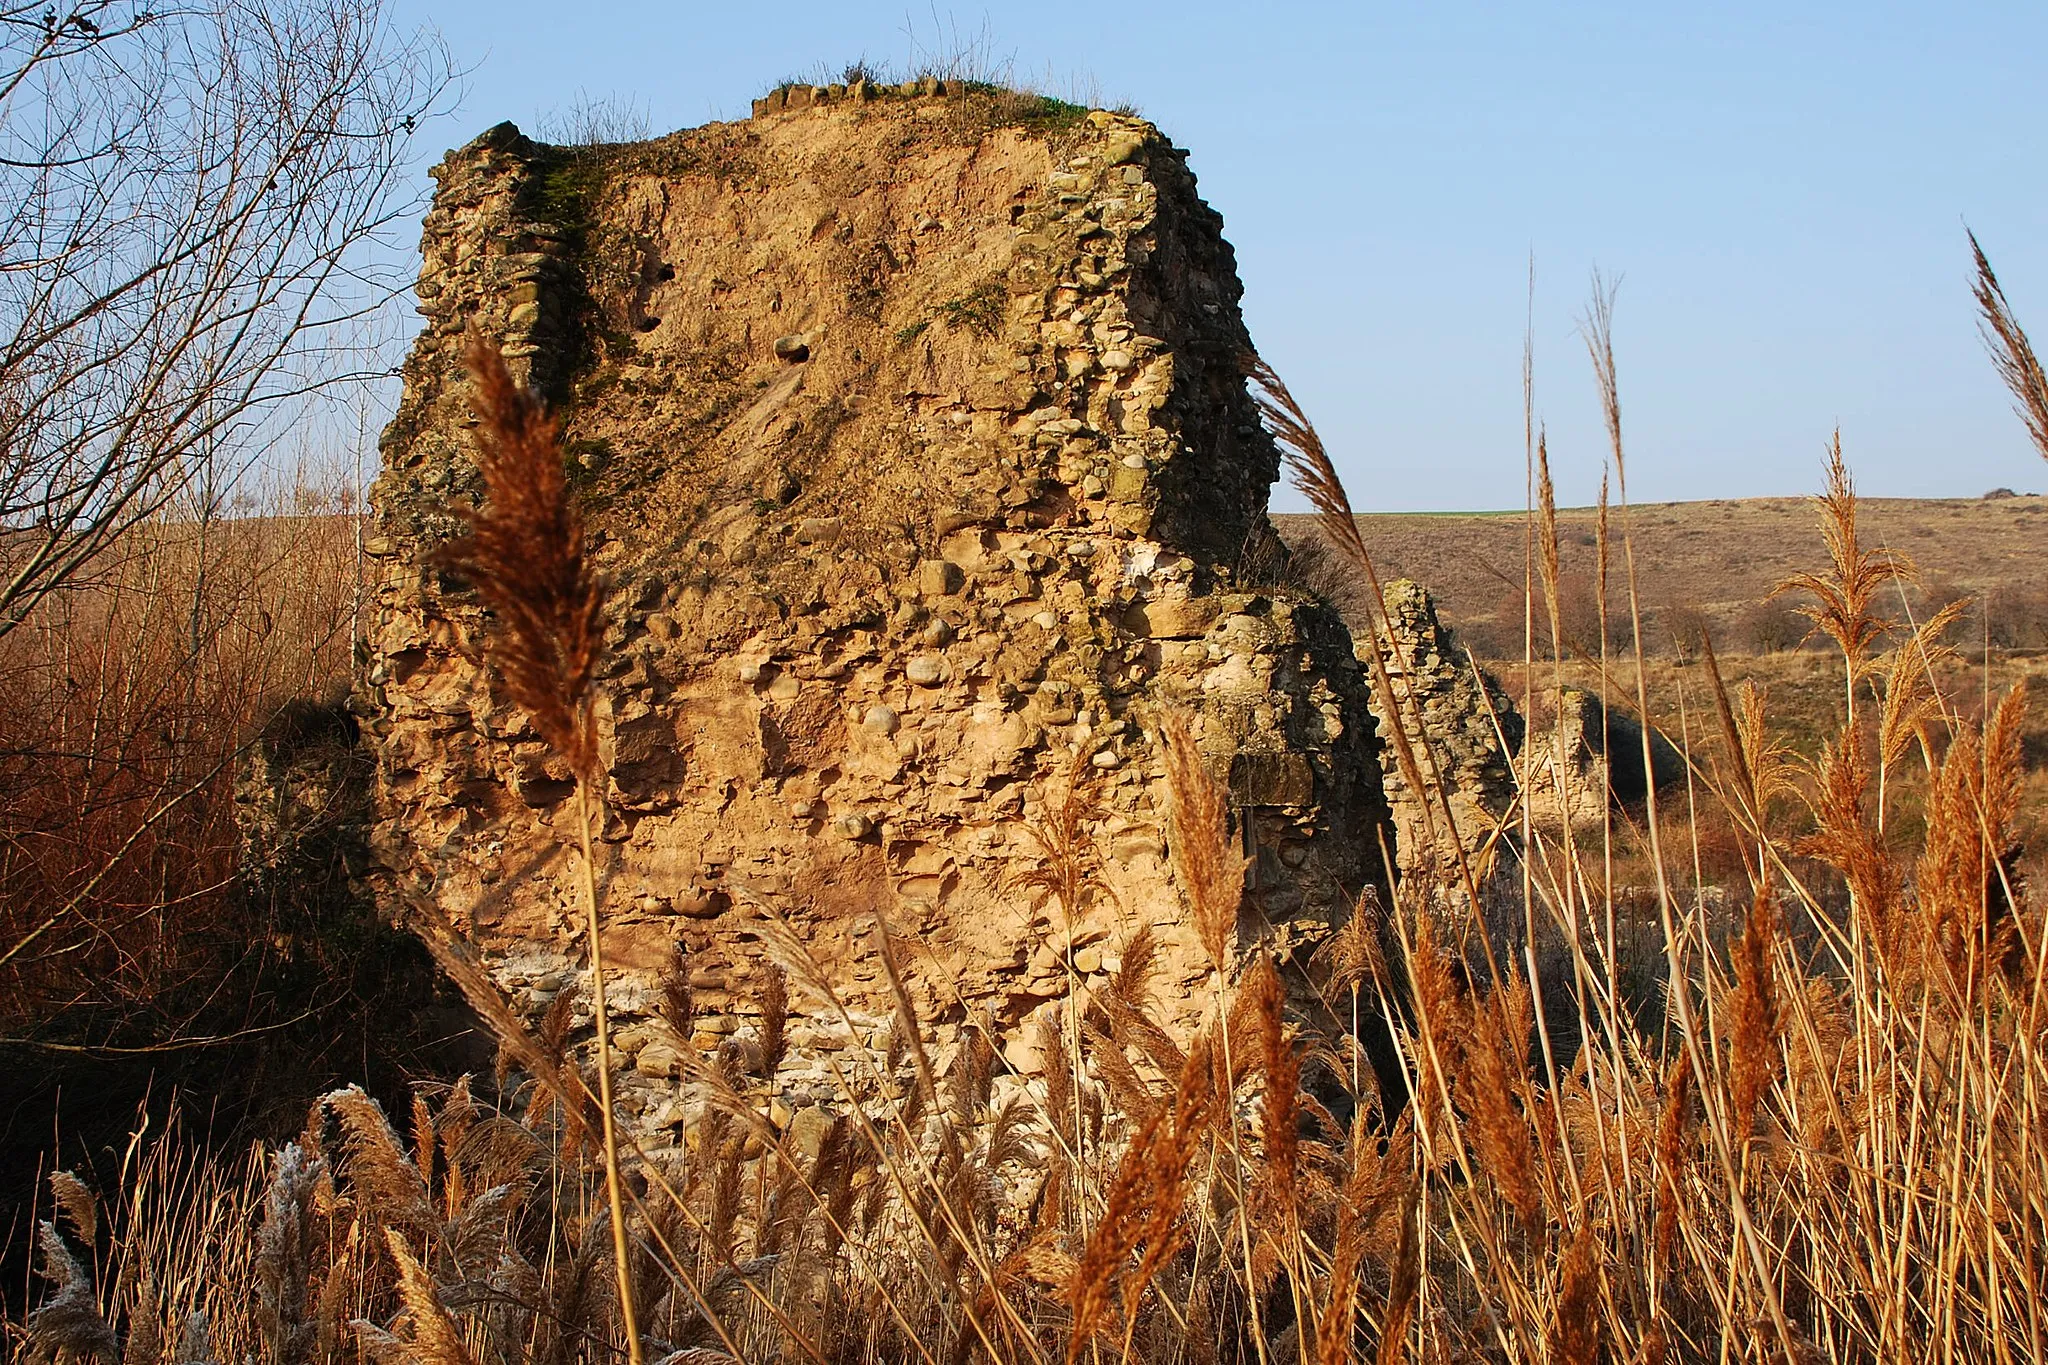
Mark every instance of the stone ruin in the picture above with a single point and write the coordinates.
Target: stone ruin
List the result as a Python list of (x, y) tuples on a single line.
[(1590, 757), (1473, 734), (1572, 762), (911, 430)]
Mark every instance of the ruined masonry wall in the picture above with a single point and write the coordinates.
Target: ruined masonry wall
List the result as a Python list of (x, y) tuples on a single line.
[(917, 454)]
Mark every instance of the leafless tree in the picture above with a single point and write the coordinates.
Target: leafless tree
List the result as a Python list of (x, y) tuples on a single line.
[(198, 203)]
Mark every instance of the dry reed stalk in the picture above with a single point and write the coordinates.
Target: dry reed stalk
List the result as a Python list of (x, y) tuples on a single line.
[(1968, 876), (1575, 1329), (1314, 475), (1145, 1203), (1598, 330), (1845, 605), (2010, 351), (433, 1338), (1500, 1132), (1210, 869), (1753, 1024), (540, 1058), (1404, 1285), (1673, 1142), (524, 556)]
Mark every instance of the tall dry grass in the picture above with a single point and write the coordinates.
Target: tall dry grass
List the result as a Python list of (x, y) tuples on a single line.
[(130, 698), (1623, 1124), (136, 957)]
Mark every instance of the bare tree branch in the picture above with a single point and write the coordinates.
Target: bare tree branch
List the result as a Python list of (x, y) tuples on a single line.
[(202, 193)]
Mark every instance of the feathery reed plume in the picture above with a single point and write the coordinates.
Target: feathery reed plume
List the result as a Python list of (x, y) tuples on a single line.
[(1845, 840), (1575, 1329), (1768, 761), (556, 1022), (378, 1164), (1753, 1013), (1845, 605), (1911, 702), (1760, 765), (727, 1182), (1353, 955), (1210, 868), (1281, 1097), (1068, 856), (457, 1120), (541, 1058), (1438, 995), (2010, 351), (1358, 1207), (524, 556), (1546, 541), (69, 1320), (1672, 1126), (832, 1177), (195, 1340), (1145, 1203), (432, 1336), (286, 1246), (425, 1146), (1121, 1009), (1968, 875), (1404, 1283), (972, 1079), (678, 1007), (1500, 1132), (1307, 460), (145, 1343), (1598, 330), (1059, 1081), (78, 1205)]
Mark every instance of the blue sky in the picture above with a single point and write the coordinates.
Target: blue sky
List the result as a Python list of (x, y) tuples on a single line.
[(1781, 190)]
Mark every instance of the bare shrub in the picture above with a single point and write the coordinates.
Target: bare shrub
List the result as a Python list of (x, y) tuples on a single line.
[(198, 195)]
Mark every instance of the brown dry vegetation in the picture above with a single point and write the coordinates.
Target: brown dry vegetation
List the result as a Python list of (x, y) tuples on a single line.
[(1716, 563), (136, 957), (1621, 1123)]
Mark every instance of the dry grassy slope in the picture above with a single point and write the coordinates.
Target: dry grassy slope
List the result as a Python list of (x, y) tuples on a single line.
[(1721, 556)]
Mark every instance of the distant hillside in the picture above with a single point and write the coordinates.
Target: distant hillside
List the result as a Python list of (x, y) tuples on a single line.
[(1717, 562)]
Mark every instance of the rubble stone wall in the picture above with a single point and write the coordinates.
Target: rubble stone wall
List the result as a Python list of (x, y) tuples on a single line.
[(913, 439), (1472, 732)]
